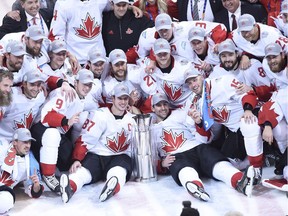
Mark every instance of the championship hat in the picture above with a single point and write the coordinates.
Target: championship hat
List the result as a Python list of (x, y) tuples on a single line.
[(196, 33), (16, 48), (284, 7), (163, 21), (57, 46), (116, 56), (246, 22), (227, 46), (190, 73), (161, 45), (120, 90), (273, 49), (95, 55), (118, 1), (158, 97), (85, 76), (22, 134), (34, 75), (35, 33)]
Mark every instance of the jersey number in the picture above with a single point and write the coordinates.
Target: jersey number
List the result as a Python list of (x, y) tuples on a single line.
[(88, 124)]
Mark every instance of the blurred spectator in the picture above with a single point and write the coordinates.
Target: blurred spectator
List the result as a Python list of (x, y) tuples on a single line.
[(152, 8)]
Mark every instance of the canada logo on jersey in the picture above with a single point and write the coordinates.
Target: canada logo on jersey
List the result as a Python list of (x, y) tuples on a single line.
[(6, 178), (173, 93), (118, 144), (26, 122), (221, 115), (172, 142), (89, 30)]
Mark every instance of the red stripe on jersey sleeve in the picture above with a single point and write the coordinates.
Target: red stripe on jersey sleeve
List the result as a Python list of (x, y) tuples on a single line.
[(80, 150), (53, 119)]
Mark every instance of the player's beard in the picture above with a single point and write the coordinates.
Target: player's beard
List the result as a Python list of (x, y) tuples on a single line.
[(5, 99), (233, 66), (33, 52)]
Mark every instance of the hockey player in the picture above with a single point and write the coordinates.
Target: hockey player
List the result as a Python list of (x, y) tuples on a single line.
[(103, 151), (168, 76), (79, 23), (234, 111), (275, 65), (121, 72), (281, 21), (58, 115), (253, 78), (26, 102), (203, 47), (273, 117), (251, 38), (187, 155), (17, 164), (6, 83)]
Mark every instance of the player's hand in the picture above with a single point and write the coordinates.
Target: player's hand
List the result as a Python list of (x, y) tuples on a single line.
[(134, 96), (74, 119), (137, 11), (68, 91), (205, 66), (149, 69), (249, 117), (35, 180), (169, 159), (195, 115), (14, 15), (75, 66), (245, 62), (75, 166), (243, 88), (267, 134)]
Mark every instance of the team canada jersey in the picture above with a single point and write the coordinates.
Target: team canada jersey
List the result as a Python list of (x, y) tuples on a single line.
[(94, 97), (172, 84), (175, 134), (253, 76), (21, 113), (179, 43), (283, 27), (102, 134), (276, 109), (226, 104), (268, 35), (132, 81), (56, 107), (79, 23), (279, 80)]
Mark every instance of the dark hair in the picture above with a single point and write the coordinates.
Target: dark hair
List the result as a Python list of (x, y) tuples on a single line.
[(188, 211), (6, 73)]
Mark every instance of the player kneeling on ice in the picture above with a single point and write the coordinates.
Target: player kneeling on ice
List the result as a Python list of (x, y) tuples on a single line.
[(103, 149), (17, 164), (182, 147)]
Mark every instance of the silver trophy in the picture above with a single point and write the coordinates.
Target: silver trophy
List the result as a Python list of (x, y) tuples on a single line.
[(144, 152)]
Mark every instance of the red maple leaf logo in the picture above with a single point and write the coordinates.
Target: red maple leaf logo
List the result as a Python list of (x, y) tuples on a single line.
[(221, 115), (268, 111), (118, 144), (5, 178), (26, 122), (88, 30), (173, 93), (172, 142)]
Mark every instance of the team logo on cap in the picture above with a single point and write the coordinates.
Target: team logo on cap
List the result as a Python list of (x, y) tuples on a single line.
[(243, 23), (39, 32), (285, 7), (161, 45), (162, 22), (118, 55), (98, 55), (195, 33), (123, 89), (225, 46)]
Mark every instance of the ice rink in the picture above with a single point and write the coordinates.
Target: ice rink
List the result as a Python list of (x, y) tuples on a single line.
[(161, 198)]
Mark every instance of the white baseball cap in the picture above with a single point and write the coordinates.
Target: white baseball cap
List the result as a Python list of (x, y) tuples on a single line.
[(85, 76), (246, 22), (22, 134), (161, 45), (34, 75), (117, 55), (158, 97), (95, 55), (118, 1), (57, 46), (190, 73), (35, 33), (196, 33), (16, 48), (163, 21), (273, 49), (120, 90), (284, 7), (227, 46)]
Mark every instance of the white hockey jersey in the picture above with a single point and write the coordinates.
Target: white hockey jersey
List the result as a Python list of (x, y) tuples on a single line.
[(283, 27), (268, 34), (79, 23), (175, 134), (56, 107), (21, 113), (172, 84), (102, 134), (227, 108)]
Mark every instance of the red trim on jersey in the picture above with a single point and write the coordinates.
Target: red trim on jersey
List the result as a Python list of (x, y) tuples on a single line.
[(235, 178), (73, 185), (263, 92), (52, 82), (218, 34), (250, 98), (53, 119), (202, 132), (132, 55), (267, 114), (80, 150), (48, 169), (256, 161)]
